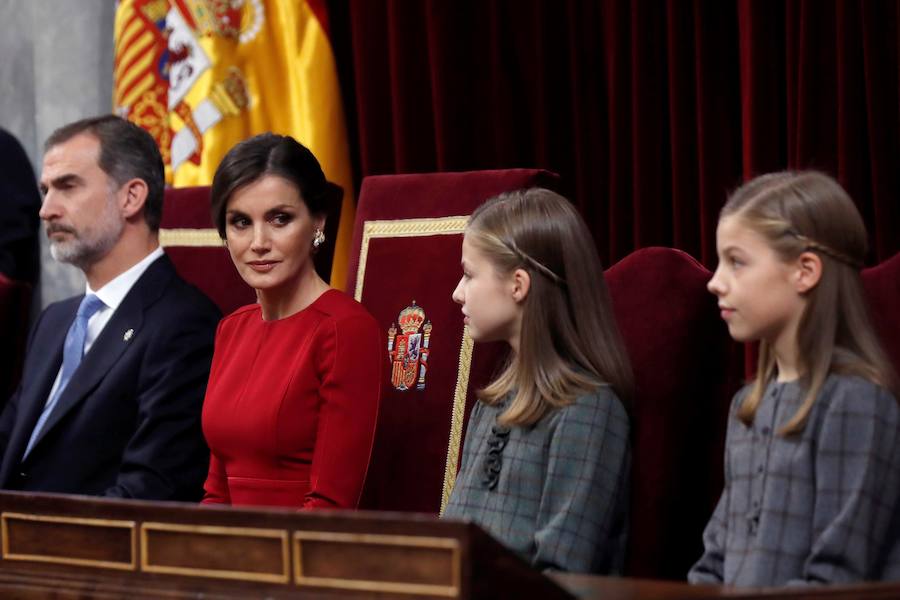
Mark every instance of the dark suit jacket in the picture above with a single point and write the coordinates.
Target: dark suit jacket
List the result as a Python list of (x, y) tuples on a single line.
[(128, 423)]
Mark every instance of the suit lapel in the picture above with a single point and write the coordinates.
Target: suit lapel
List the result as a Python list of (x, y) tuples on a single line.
[(122, 330), (38, 381)]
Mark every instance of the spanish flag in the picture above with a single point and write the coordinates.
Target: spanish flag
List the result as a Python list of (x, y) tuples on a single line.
[(201, 75)]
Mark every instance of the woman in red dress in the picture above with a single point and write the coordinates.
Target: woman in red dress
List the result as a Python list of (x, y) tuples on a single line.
[(293, 392)]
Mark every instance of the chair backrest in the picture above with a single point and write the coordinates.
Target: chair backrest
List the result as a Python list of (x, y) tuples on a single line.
[(686, 370), (193, 244), (15, 300), (404, 266), (882, 285)]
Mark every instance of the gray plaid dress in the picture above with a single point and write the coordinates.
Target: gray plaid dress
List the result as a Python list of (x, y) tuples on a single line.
[(556, 493), (819, 507)]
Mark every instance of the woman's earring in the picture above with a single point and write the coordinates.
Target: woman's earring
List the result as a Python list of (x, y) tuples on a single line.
[(318, 238)]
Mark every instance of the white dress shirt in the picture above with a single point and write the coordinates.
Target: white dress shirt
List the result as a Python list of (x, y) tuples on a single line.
[(112, 295)]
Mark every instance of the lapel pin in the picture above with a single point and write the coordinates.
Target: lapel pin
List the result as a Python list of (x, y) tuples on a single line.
[(128, 335)]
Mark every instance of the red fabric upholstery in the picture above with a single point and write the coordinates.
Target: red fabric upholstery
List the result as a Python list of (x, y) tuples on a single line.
[(411, 447), (882, 285), (686, 369), (15, 299), (209, 266)]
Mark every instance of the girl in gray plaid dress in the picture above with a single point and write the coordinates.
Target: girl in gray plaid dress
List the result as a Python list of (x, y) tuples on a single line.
[(545, 463), (812, 452)]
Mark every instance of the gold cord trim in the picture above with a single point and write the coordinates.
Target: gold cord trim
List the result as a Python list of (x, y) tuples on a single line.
[(194, 238), (402, 228), (455, 225), (459, 415)]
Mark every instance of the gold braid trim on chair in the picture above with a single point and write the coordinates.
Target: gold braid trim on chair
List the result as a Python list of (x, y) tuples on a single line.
[(403, 228), (195, 238), (459, 415), (420, 228)]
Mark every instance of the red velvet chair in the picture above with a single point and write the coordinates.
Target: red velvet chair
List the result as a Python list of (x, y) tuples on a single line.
[(192, 242), (405, 264), (15, 300), (882, 285), (686, 370)]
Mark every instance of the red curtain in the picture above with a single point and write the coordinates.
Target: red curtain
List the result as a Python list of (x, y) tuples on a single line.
[(650, 110)]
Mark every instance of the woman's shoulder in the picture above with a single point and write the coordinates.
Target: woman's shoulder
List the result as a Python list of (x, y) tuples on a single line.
[(342, 308), (236, 326), (601, 403), (739, 397), (596, 418), (240, 316), (852, 393), (602, 395), (343, 318)]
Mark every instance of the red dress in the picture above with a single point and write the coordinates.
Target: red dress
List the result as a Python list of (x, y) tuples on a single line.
[(291, 406)]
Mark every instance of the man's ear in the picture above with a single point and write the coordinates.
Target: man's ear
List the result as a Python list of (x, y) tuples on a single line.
[(808, 271), (132, 197), (521, 284)]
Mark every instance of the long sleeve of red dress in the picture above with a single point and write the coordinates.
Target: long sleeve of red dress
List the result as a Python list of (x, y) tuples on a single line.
[(292, 404)]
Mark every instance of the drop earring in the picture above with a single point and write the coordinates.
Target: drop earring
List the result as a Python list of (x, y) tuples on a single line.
[(318, 238)]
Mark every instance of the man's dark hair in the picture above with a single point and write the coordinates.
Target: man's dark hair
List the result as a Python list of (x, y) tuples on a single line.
[(126, 152)]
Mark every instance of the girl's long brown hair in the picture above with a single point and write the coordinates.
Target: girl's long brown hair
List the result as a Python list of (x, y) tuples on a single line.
[(809, 211), (570, 343)]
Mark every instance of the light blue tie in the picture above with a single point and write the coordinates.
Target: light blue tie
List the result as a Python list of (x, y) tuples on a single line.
[(73, 350)]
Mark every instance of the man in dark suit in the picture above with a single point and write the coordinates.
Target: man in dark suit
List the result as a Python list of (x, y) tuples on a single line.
[(113, 383)]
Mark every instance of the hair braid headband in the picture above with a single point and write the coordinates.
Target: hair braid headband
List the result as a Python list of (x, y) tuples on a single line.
[(534, 263), (836, 255)]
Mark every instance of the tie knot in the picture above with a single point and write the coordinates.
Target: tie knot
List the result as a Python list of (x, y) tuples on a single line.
[(89, 305)]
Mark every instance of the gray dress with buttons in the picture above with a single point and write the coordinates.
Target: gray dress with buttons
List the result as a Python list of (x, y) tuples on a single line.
[(822, 506), (556, 493)]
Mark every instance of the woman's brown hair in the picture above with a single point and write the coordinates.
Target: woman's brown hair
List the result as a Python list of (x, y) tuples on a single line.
[(809, 211), (267, 154), (570, 343)]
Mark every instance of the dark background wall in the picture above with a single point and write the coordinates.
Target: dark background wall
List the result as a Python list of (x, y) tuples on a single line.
[(651, 110)]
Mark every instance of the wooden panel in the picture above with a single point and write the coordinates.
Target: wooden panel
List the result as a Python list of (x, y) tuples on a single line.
[(248, 554), (101, 543), (378, 563), (191, 552)]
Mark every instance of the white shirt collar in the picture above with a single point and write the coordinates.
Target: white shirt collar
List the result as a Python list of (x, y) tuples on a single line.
[(115, 291)]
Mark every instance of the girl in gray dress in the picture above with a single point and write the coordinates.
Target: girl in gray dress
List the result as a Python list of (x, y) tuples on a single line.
[(812, 456), (545, 463)]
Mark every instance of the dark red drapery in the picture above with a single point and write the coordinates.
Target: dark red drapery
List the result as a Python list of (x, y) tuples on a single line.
[(650, 110)]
